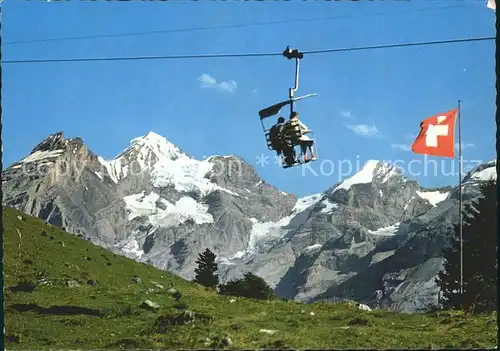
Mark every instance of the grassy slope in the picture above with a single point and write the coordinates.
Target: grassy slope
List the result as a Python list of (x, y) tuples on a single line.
[(63, 256)]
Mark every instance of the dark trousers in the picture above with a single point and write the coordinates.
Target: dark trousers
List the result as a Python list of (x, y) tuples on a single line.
[(289, 153), (305, 144)]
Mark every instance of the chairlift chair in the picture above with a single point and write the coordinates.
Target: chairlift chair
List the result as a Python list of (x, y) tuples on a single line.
[(276, 108)]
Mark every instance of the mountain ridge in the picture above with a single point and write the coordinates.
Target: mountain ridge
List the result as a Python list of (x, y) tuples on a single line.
[(158, 205)]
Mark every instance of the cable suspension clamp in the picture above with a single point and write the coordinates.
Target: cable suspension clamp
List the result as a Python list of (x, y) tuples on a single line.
[(292, 54)]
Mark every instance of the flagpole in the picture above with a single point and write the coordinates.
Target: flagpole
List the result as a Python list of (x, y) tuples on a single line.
[(460, 198)]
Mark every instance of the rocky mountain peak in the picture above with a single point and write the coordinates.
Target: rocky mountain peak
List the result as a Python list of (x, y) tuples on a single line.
[(483, 172), (233, 170), (53, 148), (166, 166), (154, 145), (52, 143), (43, 154), (372, 172), (147, 153), (384, 171)]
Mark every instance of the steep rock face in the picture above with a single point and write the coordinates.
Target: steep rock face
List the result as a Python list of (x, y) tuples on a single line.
[(60, 181), (403, 280), (352, 226), (315, 247)]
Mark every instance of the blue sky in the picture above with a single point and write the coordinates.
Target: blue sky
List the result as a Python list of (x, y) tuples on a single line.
[(369, 103)]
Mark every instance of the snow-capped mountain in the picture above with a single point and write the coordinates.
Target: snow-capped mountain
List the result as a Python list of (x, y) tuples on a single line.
[(164, 163), (375, 236), (152, 202)]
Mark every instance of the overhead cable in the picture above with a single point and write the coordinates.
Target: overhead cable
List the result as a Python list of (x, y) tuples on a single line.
[(206, 56), (226, 26)]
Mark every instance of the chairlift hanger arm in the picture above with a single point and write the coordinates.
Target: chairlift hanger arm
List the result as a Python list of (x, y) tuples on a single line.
[(276, 108), (297, 55)]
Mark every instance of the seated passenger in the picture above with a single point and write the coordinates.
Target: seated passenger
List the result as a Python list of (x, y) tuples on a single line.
[(276, 135), (280, 143), (296, 129)]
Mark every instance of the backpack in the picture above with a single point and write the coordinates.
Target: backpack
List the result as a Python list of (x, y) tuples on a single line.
[(276, 131), (276, 136)]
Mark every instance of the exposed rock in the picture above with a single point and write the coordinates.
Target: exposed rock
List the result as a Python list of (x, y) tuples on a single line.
[(72, 284), (150, 305), (44, 281), (267, 331), (364, 307), (157, 285)]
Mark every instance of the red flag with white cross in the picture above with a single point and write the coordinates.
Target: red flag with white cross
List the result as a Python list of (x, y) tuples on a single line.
[(437, 135)]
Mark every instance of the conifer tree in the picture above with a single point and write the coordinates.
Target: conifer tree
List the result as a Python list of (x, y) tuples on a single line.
[(206, 271), (250, 286), (479, 258)]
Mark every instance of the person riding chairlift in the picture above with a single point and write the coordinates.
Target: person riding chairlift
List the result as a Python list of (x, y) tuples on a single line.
[(299, 136), (280, 143)]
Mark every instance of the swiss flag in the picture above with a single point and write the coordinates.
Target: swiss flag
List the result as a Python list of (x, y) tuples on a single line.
[(437, 135)]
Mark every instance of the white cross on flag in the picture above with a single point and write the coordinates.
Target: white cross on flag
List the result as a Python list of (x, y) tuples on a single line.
[(437, 135)]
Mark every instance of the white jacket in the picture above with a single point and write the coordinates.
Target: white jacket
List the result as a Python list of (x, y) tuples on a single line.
[(303, 129)]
